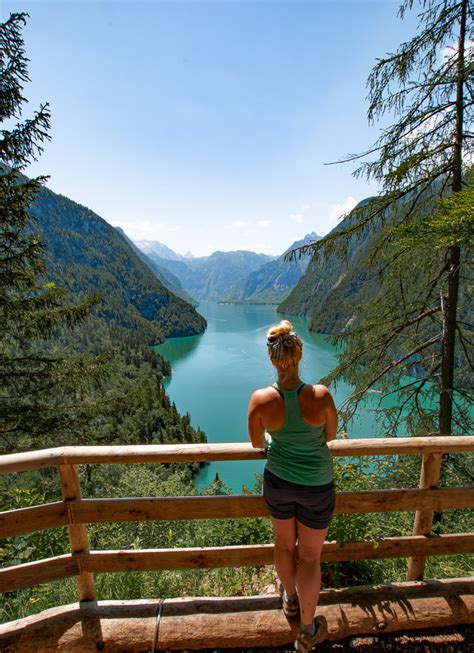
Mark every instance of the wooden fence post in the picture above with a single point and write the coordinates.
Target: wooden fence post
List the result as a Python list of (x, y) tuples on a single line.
[(71, 489), (429, 478)]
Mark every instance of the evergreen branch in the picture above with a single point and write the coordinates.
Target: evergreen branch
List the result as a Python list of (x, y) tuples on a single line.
[(395, 364), (400, 65), (356, 359), (463, 345), (428, 377), (23, 143)]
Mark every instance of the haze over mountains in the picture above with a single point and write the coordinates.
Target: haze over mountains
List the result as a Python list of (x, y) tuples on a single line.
[(146, 293), (239, 276), (149, 247), (152, 295)]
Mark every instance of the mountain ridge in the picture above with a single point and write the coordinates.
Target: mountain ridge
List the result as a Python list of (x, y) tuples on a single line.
[(86, 254), (238, 276), (210, 277), (271, 283)]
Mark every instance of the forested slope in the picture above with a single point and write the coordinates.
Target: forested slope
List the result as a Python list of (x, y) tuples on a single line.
[(86, 255), (212, 277), (334, 285), (272, 282), (167, 278)]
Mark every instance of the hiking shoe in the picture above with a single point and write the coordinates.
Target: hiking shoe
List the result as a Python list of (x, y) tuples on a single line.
[(290, 605), (305, 642)]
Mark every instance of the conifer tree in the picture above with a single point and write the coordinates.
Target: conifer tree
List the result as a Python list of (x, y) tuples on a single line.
[(42, 388), (414, 336)]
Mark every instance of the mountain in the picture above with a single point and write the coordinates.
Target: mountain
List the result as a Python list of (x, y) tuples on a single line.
[(222, 270), (272, 282), (86, 255), (333, 286), (211, 277), (159, 249), (167, 278)]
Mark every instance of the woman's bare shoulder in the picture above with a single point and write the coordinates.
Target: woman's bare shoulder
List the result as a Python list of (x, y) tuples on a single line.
[(262, 395), (320, 391)]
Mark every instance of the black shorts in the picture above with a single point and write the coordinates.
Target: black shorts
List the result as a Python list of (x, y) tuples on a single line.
[(312, 505)]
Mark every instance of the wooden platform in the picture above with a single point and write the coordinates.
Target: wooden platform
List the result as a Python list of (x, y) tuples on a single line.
[(237, 622)]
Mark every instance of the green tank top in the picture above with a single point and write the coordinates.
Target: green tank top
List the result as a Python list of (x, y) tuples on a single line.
[(298, 451)]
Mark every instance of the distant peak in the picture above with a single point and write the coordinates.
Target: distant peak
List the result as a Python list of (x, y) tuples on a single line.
[(312, 236), (160, 249)]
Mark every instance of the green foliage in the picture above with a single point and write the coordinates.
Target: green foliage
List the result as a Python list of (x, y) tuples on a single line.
[(132, 406), (396, 348), (87, 256), (450, 225), (43, 388), (413, 320), (31, 546)]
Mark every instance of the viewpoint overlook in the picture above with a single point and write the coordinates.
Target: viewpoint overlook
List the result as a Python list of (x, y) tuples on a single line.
[(236, 382)]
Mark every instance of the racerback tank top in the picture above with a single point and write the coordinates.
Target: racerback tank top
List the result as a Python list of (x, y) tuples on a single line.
[(298, 451)]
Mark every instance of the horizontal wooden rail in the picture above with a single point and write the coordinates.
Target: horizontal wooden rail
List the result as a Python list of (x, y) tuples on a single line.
[(93, 511), (76, 512), (221, 507), (41, 571), (20, 462), (35, 518), (262, 554), (25, 575)]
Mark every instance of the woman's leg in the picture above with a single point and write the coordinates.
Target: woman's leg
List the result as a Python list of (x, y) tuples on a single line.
[(308, 574), (285, 552)]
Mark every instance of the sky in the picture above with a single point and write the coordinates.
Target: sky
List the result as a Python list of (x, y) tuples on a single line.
[(208, 125)]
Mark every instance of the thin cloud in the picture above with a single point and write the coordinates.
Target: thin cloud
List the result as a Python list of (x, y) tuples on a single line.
[(297, 217), (449, 50), (237, 224), (148, 230), (248, 226), (339, 209)]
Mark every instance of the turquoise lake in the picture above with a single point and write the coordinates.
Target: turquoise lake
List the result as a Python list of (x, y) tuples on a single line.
[(215, 373)]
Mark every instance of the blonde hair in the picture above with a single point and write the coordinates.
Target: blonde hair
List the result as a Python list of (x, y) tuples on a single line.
[(293, 349)]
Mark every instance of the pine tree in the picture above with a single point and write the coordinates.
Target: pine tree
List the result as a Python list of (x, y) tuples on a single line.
[(412, 338), (44, 391)]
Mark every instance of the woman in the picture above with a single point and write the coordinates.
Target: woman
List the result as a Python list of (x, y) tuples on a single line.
[(296, 420)]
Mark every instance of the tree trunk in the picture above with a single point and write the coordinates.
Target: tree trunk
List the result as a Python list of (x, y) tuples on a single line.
[(449, 301)]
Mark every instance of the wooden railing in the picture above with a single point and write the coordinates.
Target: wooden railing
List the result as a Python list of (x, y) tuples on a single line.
[(76, 512)]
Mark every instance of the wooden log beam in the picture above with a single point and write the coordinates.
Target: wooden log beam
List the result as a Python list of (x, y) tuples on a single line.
[(178, 508), (245, 451), (71, 491), (262, 554), (34, 518), (21, 462), (237, 622), (29, 460), (41, 571)]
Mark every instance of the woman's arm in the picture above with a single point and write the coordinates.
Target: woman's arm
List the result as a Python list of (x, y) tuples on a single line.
[(255, 426), (330, 425)]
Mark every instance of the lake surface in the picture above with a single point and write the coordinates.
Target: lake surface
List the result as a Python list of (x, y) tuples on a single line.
[(215, 373)]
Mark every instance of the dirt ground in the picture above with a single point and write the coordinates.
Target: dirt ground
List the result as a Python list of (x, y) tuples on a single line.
[(441, 640)]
